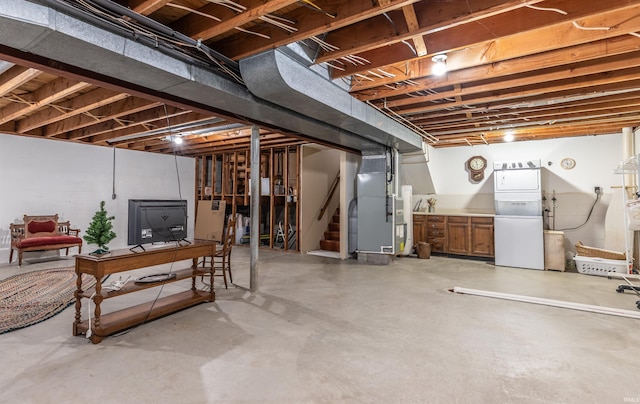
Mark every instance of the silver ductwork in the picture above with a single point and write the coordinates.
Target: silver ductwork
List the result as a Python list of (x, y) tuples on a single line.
[(93, 45), (278, 77)]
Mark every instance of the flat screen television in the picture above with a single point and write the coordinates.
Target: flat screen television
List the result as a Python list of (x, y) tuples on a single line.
[(154, 220)]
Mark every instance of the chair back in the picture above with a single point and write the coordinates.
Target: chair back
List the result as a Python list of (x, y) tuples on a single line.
[(229, 236)]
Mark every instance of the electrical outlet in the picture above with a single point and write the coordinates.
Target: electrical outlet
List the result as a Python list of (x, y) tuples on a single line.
[(598, 190)]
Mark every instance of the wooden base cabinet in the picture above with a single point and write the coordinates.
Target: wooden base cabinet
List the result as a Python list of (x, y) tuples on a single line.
[(436, 233), (419, 229), (481, 233), (459, 235)]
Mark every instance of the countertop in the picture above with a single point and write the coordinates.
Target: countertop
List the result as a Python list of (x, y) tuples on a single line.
[(458, 212)]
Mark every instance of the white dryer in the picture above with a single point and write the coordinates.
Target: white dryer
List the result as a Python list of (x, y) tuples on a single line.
[(518, 225)]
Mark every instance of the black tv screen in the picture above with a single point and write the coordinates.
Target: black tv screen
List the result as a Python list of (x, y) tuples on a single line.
[(154, 220)]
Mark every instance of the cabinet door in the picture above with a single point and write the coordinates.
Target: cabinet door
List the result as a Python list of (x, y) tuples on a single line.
[(458, 235), (482, 236), (419, 229)]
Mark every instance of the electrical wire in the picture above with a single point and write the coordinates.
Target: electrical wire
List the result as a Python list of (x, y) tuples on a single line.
[(582, 27), (557, 10), (177, 242), (191, 10), (588, 216), (143, 27), (313, 6)]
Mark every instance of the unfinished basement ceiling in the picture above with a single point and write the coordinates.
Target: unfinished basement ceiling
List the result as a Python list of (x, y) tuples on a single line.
[(539, 69)]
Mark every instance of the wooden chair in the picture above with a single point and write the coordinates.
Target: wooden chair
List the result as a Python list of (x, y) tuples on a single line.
[(222, 257)]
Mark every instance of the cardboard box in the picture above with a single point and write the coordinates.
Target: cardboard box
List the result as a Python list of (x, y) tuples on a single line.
[(264, 187), (210, 220)]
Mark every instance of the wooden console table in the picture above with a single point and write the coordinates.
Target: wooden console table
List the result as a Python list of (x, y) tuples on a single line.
[(126, 260)]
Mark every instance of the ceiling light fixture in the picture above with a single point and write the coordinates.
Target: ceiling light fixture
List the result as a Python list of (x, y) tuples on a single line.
[(177, 139), (508, 136), (439, 64)]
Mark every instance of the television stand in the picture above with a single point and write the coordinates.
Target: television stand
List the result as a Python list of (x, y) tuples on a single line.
[(124, 260)]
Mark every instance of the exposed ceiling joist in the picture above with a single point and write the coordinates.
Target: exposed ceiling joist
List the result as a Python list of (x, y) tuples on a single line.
[(543, 68)]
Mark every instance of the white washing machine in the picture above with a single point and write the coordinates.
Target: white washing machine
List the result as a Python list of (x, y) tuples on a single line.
[(519, 241)]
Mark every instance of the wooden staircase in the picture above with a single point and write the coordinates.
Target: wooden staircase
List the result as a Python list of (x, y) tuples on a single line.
[(331, 241)]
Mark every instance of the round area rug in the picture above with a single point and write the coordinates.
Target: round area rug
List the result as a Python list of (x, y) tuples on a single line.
[(32, 297)]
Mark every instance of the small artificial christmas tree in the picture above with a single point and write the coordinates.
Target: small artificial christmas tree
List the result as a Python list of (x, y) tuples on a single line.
[(100, 231)]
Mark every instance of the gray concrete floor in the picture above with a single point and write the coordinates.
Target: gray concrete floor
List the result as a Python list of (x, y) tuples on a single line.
[(323, 331)]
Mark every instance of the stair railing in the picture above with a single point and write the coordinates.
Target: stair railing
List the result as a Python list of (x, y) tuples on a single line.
[(325, 205)]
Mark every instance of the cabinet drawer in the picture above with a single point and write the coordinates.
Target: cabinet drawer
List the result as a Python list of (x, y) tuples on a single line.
[(419, 218), (482, 220), (435, 233), (435, 225), (435, 218), (437, 244), (458, 219)]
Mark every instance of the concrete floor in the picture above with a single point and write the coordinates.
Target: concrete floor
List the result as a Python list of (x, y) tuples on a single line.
[(324, 331)]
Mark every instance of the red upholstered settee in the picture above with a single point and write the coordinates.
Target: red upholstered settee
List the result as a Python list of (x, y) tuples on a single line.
[(40, 233)]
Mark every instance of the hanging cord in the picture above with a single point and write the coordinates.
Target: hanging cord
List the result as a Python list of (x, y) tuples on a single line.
[(113, 175), (160, 290), (588, 216), (175, 155), (89, 330)]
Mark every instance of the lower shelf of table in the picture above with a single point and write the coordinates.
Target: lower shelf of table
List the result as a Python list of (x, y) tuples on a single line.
[(126, 318)]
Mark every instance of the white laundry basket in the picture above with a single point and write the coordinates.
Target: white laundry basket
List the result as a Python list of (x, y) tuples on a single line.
[(599, 266)]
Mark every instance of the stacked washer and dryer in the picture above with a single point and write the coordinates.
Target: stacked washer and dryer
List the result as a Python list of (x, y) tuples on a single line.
[(518, 225)]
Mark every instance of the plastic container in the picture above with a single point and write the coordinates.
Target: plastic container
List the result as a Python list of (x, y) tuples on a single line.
[(599, 266)]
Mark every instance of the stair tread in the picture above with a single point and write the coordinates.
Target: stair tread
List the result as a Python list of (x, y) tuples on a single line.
[(332, 235), (330, 245)]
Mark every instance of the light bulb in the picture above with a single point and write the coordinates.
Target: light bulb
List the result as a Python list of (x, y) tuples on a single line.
[(508, 137), (177, 140), (439, 65)]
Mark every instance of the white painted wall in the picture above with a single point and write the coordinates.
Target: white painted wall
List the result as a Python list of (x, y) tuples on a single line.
[(596, 157), (41, 176), (319, 168)]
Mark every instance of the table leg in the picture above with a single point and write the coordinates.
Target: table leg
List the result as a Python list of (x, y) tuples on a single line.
[(78, 295), (97, 300), (194, 267)]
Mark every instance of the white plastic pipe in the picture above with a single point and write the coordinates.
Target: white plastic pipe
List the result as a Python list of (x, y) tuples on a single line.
[(628, 147), (628, 189), (549, 302), (407, 192), (617, 275)]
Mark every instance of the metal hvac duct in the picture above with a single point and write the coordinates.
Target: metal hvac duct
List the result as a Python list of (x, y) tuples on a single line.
[(80, 39), (280, 78)]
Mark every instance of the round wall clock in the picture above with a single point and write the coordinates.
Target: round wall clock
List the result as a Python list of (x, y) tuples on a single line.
[(476, 166), (567, 163)]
